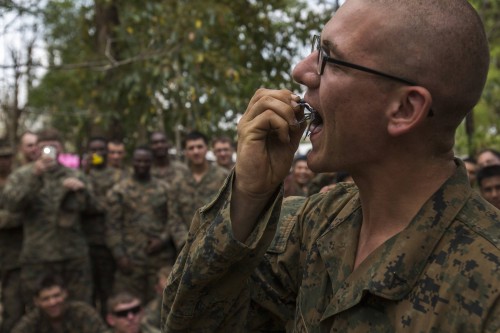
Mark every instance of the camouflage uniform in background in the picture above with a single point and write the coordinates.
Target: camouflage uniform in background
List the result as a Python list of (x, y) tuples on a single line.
[(11, 238), (79, 317), (175, 170), (138, 212), (152, 315), (440, 274), (188, 195), (94, 227), (53, 240)]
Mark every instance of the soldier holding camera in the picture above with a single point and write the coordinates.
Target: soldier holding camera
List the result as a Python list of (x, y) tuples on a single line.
[(51, 199)]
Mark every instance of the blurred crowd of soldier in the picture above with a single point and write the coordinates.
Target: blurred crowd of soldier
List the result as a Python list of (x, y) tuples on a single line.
[(98, 242)]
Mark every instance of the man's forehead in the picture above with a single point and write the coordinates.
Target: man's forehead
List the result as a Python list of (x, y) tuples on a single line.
[(128, 305)]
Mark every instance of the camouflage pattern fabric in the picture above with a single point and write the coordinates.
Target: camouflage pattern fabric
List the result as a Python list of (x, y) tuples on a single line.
[(138, 212), (12, 301), (102, 181), (440, 274), (94, 227), (53, 238), (139, 280), (11, 238), (175, 170), (51, 214), (76, 274), (79, 317), (152, 315), (188, 195)]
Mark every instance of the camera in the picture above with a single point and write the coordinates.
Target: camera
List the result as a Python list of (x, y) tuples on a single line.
[(50, 152)]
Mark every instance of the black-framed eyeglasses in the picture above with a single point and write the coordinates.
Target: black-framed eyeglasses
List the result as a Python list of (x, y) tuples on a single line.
[(124, 313), (323, 58)]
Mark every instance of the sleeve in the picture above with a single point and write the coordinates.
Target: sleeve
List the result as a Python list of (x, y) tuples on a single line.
[(209, 288), (114, 222), (176, 230), (21, 187)]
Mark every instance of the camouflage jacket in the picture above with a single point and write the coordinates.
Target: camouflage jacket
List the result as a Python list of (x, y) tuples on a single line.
[(175, 170), (188, 195), (138, 211), (152, 316), (440, 274), (79, 317), (94, 222), (51, 214), (11, 237)]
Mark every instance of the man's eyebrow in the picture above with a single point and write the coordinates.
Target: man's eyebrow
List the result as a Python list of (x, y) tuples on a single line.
[(332, 49)]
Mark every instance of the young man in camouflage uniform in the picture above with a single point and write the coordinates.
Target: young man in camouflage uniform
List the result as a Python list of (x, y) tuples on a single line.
[(411, 248), (51, 199), (102, 178), (200, 185), (125, 314), (55, 313), (11, 239), (138, 232)]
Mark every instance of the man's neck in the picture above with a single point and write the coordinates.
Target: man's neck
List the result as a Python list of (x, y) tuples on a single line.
[(162, 162), (391, 199), (199, 170)]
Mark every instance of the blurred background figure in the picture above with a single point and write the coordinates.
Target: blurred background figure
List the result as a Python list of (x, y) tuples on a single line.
[(297, 182), (152, 312), (27, 149), (223, 149), (340, 177), (138, 231), (125, 313), (471, 167), (487, 157), (488, 179), (55, 313), (116, 154), (199, 186), (11, 238), (163, 167)]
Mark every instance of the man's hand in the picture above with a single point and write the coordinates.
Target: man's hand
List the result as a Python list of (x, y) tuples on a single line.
[(73, 184), (44, 164), (268, 137)]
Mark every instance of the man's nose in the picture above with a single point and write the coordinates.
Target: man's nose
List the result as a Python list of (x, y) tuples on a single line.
[(306, 72)]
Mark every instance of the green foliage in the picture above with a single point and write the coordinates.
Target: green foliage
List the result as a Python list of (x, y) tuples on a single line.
[(487, 113), (165, 63)]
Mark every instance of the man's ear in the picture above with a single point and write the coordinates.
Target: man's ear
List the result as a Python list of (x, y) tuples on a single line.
[(110, 320), (409, 111)]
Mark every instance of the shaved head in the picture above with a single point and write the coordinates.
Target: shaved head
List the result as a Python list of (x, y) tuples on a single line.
[(441, 45)]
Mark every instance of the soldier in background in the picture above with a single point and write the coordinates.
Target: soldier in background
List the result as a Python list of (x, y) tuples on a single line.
[(103, 178), (138, 231), (163, 167), (55, 313), (152, 312), (116, 154), (51, 199), (223, 149), (125, 313), (11, 237), (27, 150), (200, 185)]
